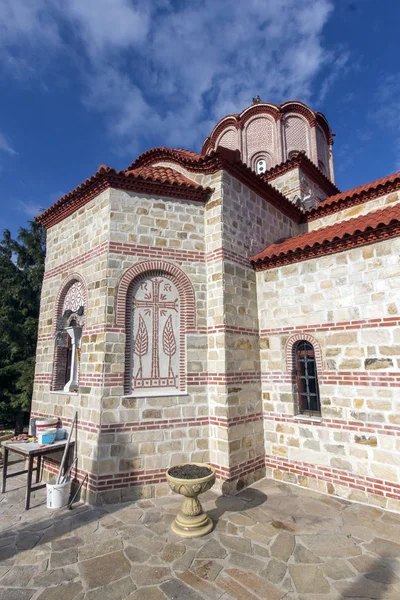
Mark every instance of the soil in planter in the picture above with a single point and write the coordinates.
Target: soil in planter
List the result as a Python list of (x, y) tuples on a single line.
[(189, 472)]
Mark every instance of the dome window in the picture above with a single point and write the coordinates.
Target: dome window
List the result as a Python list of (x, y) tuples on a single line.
[(261, 166)]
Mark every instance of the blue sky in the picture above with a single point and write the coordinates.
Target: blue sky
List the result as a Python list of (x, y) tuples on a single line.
[(86, 82)]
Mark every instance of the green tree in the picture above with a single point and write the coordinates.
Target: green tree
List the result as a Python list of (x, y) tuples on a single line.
[(21, 273)]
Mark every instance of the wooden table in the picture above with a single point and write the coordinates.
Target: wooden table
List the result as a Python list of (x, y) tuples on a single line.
[(30, 451)]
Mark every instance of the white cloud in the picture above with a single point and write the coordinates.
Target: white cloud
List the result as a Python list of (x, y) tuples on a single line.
[(107, 25), (165, 70), (5, 145)]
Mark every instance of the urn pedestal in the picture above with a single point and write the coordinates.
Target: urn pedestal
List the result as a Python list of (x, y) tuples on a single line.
[(192, 521)]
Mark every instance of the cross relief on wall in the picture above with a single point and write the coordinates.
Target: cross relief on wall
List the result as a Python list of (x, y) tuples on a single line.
[(156, 335)]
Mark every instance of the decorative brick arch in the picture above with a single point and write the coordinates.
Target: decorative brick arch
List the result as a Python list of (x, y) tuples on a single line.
[(292, 341), (62, 292), (123, 315), (301, 127), (229, 139), (259, 135), (263, 154), (154, 267), (59, 360)]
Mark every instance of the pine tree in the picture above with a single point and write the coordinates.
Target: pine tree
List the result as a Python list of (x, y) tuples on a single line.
[(21, 273)]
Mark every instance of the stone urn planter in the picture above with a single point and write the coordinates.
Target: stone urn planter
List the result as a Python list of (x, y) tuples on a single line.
[(191, 480)]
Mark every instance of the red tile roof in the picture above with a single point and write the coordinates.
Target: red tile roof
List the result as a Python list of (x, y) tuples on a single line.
[(377, 225), (220, 159), (149, 156), (357, 195), (144, 176), (159, 181), (163, 175)]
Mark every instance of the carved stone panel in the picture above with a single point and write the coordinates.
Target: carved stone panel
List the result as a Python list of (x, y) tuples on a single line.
[(74, 298), (156, 344)]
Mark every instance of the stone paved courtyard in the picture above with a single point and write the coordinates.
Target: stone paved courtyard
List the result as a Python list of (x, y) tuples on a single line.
[(271, 541)]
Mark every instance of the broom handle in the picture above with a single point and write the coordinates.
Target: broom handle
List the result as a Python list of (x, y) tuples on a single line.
[(66, 449)]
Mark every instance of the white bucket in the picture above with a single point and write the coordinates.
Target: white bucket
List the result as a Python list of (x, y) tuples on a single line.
[(58, 493)]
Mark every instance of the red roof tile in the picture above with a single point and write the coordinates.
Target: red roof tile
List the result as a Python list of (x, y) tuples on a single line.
[(148, 156), (220, 159), (356, 195), (374, 226), (163, 175), (158, 181)]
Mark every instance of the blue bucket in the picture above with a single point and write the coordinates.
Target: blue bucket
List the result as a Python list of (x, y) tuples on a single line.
[(47, 436)]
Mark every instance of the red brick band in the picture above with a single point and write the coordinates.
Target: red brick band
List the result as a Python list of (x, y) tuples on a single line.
[(315, 328), (343, 424), (142, 251), (240, 378), (226, 422), (334, 326), (220, 254), (67, 421), (78, 260), (153, 424), (380, 487), (104, 328), (378, 378), (100, 483)]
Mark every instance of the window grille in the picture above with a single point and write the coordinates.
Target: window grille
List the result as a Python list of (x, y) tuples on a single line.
[(307, 380)]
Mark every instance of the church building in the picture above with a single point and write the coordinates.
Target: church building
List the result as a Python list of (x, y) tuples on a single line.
[(231, 307)]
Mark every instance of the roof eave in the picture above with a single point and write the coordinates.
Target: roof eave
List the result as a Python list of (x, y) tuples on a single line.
[(119, 180), (369, 235)]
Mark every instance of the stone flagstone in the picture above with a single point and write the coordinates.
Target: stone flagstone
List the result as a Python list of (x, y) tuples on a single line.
[(96, 555)]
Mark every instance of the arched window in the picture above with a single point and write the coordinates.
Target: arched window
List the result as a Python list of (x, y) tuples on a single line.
[(308, 402), (70, 316), (261, 166)]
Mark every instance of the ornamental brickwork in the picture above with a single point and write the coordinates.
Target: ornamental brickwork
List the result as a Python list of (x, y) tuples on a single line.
[(272, 133)]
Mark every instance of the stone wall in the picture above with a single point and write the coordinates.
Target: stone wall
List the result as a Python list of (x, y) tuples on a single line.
[(142, 435), (296, 183), (347, 305), (76, 245), (124, 443), (356, 210), (236, 407), (248, 224)]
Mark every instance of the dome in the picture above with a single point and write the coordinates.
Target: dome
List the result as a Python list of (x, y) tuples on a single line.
[(269, 134)]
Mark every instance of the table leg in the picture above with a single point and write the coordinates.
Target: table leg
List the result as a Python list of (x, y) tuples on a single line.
[(29, 483), (38, 466), (5, 467)]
